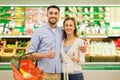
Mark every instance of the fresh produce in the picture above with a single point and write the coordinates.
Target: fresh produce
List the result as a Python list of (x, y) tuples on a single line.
[(25, 74), (117, 42), (14, 62), (20, 52), (10, 45), (22, 43), (8, 52)]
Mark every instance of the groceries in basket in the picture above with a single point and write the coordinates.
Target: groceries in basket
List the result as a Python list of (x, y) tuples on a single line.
[(25, 74), (26, 69)]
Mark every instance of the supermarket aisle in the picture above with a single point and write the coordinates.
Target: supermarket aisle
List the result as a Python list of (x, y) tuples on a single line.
[(88, 74), (101, 74), (6, 75)]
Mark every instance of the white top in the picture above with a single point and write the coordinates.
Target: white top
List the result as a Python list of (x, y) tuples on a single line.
[(54, 30), (68, 66)]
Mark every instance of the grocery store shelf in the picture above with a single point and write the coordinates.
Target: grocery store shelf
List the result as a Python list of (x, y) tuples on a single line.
[(86, 66), (86, 36), (4, 63), (93, 36), (24, 36), (29, 36), (85, 13), (102, 63), (114, 35), (86, 63), (16, 36)]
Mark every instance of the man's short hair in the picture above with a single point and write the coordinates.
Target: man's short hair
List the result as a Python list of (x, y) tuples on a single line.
[(53, 6)]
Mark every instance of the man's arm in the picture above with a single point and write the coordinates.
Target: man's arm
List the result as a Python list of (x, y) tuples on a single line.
[(83, 46), (50, 54)]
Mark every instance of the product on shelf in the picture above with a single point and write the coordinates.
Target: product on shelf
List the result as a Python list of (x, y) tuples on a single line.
[(12, 17), (117, 42), (9, 43), (103, 58), (118, 58), (10, 27), (20, 52), (8, 52), (17, 20), (118, 52), (87, 58), (22, 43), (91, 22), (102, 48), (1, 27)]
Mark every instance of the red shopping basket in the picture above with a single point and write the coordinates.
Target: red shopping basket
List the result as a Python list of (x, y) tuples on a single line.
[(28, 66)]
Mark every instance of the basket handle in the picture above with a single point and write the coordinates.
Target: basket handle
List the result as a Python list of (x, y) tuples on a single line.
[(20, 59)]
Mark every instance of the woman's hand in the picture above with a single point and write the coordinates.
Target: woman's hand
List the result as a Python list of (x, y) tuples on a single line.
[(75, 58)]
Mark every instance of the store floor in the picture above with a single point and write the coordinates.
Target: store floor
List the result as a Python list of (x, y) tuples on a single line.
[(88, 74)]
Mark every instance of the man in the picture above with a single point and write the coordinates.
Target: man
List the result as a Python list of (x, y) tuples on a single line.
[(45, 45)]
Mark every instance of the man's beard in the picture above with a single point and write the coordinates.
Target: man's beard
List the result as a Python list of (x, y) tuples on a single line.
[(52, 22)]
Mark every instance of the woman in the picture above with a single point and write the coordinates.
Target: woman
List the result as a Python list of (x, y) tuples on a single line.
[(72, 51)]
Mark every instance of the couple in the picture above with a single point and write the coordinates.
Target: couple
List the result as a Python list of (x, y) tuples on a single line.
[(51, 45)]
